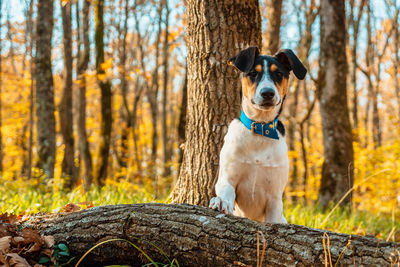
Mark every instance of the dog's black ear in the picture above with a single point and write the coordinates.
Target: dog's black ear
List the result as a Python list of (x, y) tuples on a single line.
[(292, 62), (244, 61)]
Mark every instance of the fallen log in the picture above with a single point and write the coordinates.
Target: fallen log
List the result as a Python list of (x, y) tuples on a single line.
[(197, 236)]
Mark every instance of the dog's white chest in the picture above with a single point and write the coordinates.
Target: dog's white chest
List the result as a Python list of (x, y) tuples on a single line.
[(259, 168), (242, 146)]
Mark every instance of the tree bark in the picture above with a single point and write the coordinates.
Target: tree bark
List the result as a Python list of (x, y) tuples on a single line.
[(274, 26), (105, 87), (213, 88), (167, 153), (124, 111), (82, 67), (66, 119), (182, 118), (29, 29), (355, 23), (197, 236), (152, 94), (337, 169), (45, 126)]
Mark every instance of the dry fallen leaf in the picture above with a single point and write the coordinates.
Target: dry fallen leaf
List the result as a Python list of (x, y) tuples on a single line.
[(71, 207), (3, 262), (5, 244), (16, 260), (48, 241)]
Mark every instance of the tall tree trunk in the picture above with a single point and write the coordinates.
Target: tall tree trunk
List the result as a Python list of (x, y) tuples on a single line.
[(337, 169), (152, 94), (66, 119), (355, 22), (31, 93), (45, 126), (376, 122), (182, 118), (82, 67), (167, 153), (291, 131), (105, 87), (274, 26), (221, 29), (125, 113)]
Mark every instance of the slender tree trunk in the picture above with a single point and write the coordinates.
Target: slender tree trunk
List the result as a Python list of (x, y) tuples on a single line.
[(274, 26), (221, 29), (197, 236), (337, 169), (66, 118), (105, 87), (30, 28), (355, 22), (182, 118), (376, 122), (125, 113), (82, 67), (166, 146), (152, 94), (45, 126), (291, 131)]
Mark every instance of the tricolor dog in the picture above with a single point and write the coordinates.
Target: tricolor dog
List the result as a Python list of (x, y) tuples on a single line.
[(254, 164)]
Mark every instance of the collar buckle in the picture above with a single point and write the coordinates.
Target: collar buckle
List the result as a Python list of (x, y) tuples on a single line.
[(253, 127)]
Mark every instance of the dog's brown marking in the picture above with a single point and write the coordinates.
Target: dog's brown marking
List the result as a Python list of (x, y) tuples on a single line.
[(248, 87), (273, 67), (282, 87), (259, 68)]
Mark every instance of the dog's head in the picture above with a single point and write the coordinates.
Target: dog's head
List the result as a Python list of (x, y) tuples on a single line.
[(265, 78)]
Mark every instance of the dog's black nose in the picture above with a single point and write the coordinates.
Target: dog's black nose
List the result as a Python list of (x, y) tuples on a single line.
[(267, 93)]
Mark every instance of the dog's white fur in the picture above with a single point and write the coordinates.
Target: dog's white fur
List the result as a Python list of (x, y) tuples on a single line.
[(253, 173), (253, 170)]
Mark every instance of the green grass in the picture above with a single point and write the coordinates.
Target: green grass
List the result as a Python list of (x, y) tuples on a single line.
[(383, 226), (20, 197)]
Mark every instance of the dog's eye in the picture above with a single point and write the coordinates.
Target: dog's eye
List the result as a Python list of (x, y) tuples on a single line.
[(278, 74), (253, 74)]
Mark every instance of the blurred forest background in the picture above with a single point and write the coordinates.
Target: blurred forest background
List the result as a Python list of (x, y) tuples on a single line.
[(116, 125)]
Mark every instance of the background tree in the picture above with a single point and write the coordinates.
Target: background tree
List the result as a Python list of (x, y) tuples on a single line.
[(45, 125), (66, 100), (105, 87), (337, 169), (166, 144), (83, 60), (214, 95), (272, 42)]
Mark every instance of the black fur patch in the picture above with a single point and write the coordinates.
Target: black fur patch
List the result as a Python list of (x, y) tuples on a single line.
[(281, 128), (292, 62)]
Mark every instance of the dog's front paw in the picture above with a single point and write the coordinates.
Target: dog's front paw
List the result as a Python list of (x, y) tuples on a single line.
[(217, 203)]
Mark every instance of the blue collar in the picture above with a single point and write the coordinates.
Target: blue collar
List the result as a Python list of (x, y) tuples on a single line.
[(265, 129)]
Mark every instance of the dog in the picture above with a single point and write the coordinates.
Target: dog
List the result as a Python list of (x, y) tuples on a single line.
[(254, 164)]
